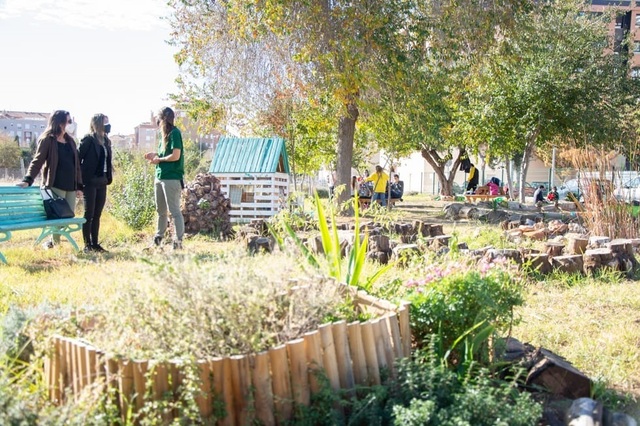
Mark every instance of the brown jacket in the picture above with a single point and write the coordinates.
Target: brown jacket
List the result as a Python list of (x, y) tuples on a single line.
[(46, 158)]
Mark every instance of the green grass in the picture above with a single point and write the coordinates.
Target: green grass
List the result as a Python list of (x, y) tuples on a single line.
[(594, 323)]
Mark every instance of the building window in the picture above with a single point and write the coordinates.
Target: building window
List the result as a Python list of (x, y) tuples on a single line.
[(27, 126), (638, 20), (19, 125), (635, 72), (636, 48)]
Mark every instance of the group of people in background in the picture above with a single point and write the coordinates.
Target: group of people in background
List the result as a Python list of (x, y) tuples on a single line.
[(377, 186), (85, 170)]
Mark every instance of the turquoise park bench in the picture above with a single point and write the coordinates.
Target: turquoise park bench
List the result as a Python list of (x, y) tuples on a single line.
[(22, 209)]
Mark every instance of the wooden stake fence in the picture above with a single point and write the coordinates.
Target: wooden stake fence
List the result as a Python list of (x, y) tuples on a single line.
[(262, 386)]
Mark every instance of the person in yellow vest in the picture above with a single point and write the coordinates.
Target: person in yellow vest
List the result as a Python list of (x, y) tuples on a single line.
[(379, 179), (472, 179)]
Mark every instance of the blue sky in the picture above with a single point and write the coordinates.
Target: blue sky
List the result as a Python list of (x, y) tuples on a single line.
[(86, 56)]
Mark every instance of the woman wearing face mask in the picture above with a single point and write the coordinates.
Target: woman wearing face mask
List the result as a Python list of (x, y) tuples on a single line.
[(97, 172), (57, 156)]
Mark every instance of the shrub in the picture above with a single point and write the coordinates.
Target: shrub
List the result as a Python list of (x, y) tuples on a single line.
[(132, 192), (454, 299), (214, 308), (425, 393)]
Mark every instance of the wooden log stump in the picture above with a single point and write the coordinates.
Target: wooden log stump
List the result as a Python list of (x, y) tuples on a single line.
[(620, 246), (514, 224), (536, 234), (421, 228), (403, 252), (439, 241), (435, 230), (379, 243), (576, 245), (598, 241), (538, 262), (468, 212), (554, 249), (555, 374), (510, 254), (595, 259), (568, 263)]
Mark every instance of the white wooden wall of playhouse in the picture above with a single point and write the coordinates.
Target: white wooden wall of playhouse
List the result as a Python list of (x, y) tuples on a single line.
[(255, 196), (254, 175)]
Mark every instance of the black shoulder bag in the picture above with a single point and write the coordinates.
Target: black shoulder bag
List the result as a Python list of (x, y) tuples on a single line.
[(55, 206)]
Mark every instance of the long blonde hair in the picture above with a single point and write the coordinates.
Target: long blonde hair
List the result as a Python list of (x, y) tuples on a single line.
[(97, 127)]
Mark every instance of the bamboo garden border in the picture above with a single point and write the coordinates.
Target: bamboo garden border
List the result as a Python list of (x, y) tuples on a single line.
[(262, 386)]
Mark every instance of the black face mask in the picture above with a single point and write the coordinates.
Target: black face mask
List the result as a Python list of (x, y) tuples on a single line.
[(107, 128)]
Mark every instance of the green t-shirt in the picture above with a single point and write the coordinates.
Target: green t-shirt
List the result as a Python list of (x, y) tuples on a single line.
[(171, 169)]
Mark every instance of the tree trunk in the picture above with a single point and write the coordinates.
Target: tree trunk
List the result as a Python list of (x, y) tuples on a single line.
[(524, 166), (507, 169), (346, 131), (438, 164)]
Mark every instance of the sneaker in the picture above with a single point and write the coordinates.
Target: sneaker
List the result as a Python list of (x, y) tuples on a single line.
[(99, 248), (87, 249), (47, 245), (177, 245), (156, 243)]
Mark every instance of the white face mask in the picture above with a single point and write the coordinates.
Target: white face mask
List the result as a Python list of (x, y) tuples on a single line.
[(70, 128)]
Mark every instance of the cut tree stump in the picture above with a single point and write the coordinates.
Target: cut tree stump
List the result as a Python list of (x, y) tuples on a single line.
[(595, 259), (576, 245), (435, 230), (598, 241), (569, 263), (621, 246), (539, 262), (554, 249), (511, 254), (468, 212), (555, 374)]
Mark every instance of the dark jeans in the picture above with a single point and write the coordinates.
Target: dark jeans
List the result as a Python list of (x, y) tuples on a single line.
[(94, 199)]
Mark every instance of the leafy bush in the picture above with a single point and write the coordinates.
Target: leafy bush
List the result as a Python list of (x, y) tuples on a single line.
[(454, 299), (132, 191), (430, 394), (425, 393)]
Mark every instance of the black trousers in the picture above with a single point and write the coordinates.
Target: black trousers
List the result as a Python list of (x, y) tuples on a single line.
[(94, 199)]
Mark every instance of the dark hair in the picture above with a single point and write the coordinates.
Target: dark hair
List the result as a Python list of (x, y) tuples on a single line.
[(379, 169), (58, 118), (166, 117)]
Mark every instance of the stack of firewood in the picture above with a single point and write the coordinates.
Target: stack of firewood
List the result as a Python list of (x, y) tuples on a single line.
[(205, 207)]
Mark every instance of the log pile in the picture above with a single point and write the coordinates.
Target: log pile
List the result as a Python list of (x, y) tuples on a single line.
[(205, 207)]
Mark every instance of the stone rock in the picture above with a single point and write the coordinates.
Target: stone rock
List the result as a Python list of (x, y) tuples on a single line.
[(258, 244)]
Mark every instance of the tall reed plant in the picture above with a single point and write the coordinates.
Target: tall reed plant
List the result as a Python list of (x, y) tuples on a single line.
[(603, 213)]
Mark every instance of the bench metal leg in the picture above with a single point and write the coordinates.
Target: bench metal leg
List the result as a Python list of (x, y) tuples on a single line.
[(4, 236), (64, 231)]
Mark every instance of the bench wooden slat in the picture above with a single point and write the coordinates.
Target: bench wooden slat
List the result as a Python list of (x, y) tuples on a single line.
[(22, 208)]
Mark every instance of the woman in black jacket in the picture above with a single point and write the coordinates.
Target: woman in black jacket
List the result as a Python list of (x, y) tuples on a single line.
[(97, 172)]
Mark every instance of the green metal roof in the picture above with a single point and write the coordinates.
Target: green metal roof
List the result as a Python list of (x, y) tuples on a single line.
[(250, 155)]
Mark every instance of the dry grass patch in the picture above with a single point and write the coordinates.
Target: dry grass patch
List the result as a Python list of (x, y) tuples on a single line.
[(595, 325)]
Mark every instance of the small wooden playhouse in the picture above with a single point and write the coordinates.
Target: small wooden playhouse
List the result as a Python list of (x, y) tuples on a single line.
[(254, 174)]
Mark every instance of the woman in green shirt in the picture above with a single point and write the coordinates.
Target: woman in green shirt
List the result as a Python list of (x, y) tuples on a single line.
[(169, 161)]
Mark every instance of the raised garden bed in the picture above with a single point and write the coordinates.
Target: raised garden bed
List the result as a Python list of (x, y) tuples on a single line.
[(262, 386)]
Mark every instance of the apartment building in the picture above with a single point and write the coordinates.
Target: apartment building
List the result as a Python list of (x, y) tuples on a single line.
[(145, 134), (625, 25), (23, 127)]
